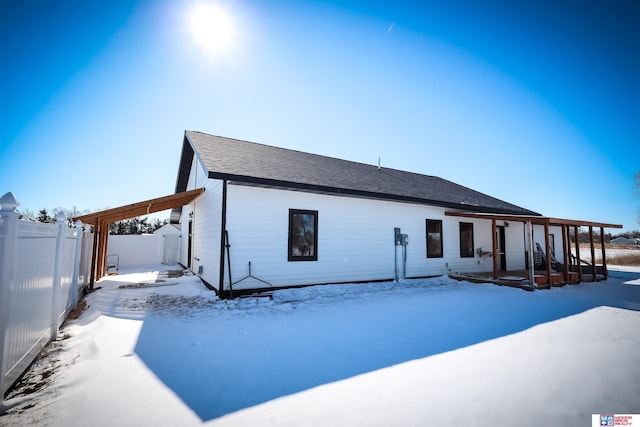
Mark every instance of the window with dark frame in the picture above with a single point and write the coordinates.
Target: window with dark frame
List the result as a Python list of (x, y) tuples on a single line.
[(466, 240), (303, 235), (434, 238)]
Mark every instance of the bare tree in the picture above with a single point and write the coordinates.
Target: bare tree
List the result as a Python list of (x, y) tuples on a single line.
[(28, 215)]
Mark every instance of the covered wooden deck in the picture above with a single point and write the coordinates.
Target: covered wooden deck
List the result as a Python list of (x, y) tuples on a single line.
[(101, 220), (573, 270), (520, 279)]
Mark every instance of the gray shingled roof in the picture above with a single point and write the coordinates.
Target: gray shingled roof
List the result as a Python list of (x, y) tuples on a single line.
[(235, 160)]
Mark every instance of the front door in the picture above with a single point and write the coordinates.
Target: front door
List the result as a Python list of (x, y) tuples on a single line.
[(502, 252)]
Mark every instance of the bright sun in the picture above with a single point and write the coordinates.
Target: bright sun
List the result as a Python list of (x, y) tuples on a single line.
[(212, 27)]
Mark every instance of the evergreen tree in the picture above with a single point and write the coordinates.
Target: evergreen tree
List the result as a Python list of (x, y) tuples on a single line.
[(43, 216), (135, 226)]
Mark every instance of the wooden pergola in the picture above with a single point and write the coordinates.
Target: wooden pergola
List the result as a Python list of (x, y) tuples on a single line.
[(568, 226), (101, 220)]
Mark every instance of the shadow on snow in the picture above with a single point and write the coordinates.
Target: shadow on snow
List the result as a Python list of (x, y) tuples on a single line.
[(237, 357)]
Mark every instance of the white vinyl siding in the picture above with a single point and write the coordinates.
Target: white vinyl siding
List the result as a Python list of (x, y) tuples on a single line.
[(355, 238), (514, 246), (556, 231), (481, 239), (206, 225)]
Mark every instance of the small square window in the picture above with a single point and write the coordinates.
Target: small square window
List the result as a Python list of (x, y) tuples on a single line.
[(303, 235), (434, 238)]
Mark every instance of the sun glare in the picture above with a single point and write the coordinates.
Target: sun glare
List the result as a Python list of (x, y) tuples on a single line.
[(212, 27)]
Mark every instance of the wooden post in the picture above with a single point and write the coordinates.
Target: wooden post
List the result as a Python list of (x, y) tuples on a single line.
[(94, 254), (546, 250), (104, 236), (593, 252), (494, 229), (531, 268), (565, 253), (604, 255), (101, 232), (578, 262)]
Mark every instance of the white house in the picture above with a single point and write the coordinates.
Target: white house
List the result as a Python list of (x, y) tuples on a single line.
[(625, 241), (271, 217)]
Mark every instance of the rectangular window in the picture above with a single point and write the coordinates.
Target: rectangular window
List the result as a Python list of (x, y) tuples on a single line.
[(303, 235), (434, 238), (466, 240)]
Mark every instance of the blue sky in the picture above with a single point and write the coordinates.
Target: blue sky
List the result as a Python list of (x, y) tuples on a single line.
[(533, 102)]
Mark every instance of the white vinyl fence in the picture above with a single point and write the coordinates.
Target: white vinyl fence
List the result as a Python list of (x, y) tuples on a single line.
[(43, 269), (137, 250)]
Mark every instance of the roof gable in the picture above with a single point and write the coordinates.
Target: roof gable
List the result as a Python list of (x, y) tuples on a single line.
[(258, 164)]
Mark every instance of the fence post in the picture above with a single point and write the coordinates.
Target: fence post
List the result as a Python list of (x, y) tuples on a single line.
[(61, 222), (76, 264), (8, 237)]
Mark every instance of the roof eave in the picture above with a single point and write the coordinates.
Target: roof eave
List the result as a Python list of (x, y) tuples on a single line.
[(270, 183)]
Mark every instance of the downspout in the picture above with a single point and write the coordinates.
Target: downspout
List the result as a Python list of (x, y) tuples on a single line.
[(404, 261), (228, 246), (223, 230), (395, 254)]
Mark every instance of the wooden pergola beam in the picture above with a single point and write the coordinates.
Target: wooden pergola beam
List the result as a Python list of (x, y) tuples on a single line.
[(101, 220), (141, 208)]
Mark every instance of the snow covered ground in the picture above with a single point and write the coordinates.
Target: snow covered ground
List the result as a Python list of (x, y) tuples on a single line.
[(157, 350), (612, 252)]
